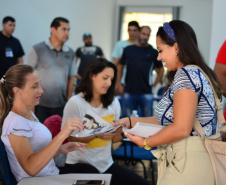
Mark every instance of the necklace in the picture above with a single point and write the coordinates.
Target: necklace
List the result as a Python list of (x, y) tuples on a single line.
[(31, 118)]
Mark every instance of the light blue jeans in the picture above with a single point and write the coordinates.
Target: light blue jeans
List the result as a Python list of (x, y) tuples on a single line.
[(143, 103)]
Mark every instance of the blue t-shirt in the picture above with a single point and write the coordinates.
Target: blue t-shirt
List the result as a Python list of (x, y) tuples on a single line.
[(140, 61), (193, 79), (119, 47), (10, 51)]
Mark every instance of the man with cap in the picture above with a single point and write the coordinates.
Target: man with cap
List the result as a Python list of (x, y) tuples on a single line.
[(86, 54)]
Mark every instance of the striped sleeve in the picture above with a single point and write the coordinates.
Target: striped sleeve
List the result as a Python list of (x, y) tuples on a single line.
[(187, 78)]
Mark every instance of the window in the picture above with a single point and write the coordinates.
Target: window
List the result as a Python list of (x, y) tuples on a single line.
[(153, 20)]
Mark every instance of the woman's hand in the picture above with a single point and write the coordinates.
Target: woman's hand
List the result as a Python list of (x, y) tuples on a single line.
[(71, 125), (124, 121), (135, 139), (71, 146)]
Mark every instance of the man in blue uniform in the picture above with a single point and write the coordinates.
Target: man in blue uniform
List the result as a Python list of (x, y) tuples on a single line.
[(11, 51), (140, 61)]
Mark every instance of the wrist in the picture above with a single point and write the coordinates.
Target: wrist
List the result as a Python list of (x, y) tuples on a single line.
[(123, 135), (130, 123), (146, 146)]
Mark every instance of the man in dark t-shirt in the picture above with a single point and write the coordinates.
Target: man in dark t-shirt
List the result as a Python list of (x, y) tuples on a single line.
[(86, 54), (11, 51), (140, 60)]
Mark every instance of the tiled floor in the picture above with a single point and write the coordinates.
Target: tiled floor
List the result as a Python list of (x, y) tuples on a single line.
[(138, 168)]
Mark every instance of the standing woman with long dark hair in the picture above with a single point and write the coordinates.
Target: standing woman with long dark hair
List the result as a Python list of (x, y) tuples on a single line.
[(96, 93), (182, 157)]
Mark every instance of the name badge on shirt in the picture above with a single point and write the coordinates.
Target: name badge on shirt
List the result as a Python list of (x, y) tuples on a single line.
[(9, 52)]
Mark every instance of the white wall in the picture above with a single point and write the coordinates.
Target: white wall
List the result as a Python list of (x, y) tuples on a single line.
[(33, 19)]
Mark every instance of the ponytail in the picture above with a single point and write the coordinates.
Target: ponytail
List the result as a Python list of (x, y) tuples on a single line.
[(4, 102), (14, 77)]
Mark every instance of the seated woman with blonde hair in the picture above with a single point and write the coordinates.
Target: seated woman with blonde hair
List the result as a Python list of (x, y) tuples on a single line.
[(29, 143)]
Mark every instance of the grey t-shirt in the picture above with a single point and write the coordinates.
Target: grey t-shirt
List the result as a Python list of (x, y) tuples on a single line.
[(54, 69)]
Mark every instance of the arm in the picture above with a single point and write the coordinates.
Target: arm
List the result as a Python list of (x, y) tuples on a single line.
[(116, 137), (77, 75), (116, 61), (119, 88), (20, 60), (184, 109), (70, 86), (31, 58), (76, 59), (100, 53), (134, 120), (69, 147), (220, 70), (81, 139), (159, 72), (32, 162)]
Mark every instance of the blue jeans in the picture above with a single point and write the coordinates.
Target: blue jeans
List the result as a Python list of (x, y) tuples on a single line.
[(122, 104), (143, 103)]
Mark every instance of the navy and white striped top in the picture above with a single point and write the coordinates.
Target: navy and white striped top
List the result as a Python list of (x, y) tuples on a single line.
[(190, 78)]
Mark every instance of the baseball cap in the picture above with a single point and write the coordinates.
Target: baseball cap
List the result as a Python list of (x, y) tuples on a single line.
[(87, 34)]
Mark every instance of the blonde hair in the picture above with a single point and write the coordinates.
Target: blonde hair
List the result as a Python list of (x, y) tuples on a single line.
[(14, 77)]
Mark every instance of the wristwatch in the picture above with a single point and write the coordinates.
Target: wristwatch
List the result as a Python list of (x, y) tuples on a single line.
[(146, 147)]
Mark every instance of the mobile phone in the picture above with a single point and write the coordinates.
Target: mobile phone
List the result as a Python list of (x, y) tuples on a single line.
[(89, 182)]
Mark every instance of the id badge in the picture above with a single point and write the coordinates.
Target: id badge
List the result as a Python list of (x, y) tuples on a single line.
[(8, 52)]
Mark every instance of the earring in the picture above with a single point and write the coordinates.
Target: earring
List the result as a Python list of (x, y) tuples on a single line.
[(176, 54)]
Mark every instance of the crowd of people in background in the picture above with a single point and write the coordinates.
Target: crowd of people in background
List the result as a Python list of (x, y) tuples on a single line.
[(56, 64), (48, 83)]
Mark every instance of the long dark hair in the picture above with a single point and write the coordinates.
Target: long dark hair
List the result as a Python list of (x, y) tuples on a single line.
[(189, 53), (96, 66), (14, 77)]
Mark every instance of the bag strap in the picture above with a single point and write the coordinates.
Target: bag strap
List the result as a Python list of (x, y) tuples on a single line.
[(218, 106)]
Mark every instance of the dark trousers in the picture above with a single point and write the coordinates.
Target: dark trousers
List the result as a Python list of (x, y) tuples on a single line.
[(44, 112), (120, 174)]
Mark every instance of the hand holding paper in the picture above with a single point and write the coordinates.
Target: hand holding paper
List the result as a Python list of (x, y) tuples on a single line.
[(144, 130)]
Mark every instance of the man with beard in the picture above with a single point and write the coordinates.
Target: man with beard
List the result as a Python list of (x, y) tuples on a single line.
[(140, 60), (86, 54), (55, 62)]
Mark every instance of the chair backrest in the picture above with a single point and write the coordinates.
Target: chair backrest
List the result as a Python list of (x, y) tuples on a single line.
[(131, 151), (6, 173), (53, 123), (161, 91)]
